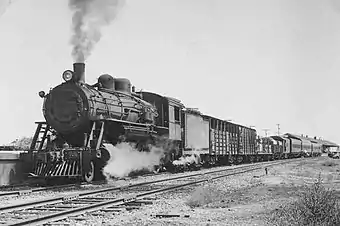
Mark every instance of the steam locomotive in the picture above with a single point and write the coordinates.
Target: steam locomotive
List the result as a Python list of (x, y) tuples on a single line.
[(82, 118)]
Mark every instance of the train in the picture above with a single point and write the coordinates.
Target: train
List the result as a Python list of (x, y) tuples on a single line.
[(290, 146), (81, 118)]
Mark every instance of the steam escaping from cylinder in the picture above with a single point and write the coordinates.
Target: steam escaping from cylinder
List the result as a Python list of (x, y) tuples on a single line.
[(194, 158), (183, 160), (89, 16), (125, 158)]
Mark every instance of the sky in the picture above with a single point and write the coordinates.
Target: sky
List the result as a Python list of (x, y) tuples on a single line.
[(258, 63)]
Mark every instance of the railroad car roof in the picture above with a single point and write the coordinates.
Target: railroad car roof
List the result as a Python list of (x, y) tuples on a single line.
[(174, 100), (280, 138), (192, 110), (233, 123), (323, 142)]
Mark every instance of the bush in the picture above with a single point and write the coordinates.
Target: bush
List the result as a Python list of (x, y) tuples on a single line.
[(316, 205)]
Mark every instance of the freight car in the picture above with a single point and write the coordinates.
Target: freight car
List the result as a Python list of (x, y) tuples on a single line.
[(82, 118), (217, 142)]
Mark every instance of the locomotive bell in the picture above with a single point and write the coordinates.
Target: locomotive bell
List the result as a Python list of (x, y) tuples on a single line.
[(106, 81)]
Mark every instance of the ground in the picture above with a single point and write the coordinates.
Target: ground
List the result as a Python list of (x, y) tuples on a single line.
[(249, 199), (244, 199)]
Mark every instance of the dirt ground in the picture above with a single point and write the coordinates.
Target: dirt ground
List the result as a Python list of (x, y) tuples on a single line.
[(238, 200)]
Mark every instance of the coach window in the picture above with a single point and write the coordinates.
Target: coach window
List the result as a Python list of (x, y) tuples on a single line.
[(177, 114)]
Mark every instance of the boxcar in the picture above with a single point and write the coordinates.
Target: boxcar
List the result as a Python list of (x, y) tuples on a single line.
[(196, 135)]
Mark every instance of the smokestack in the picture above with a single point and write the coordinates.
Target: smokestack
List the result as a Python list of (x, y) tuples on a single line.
[(79, 72)]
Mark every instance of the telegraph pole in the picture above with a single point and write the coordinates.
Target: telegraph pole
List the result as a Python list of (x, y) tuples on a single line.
[(265, 131), (278, 129)]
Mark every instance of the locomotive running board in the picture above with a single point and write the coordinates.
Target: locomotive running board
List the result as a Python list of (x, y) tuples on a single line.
[(129, 123), (134, 127)]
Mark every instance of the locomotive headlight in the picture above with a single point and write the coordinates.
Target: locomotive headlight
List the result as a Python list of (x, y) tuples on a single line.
[(42, 94), (67, 75)]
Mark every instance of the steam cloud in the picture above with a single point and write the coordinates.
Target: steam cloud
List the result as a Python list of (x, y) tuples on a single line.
[(183, 160), (88, 18), (125, 158)]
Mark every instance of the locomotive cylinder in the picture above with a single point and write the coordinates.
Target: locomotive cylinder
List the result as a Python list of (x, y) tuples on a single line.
[(79, 72)]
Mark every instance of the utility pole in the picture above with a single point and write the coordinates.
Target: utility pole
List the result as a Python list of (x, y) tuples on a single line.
[(265, 131), (278, 129)]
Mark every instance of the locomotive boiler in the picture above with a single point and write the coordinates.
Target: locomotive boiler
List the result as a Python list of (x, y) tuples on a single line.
[(80, 118), (71, 107)]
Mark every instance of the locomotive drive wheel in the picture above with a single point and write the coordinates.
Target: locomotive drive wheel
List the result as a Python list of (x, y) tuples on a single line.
[(89, 175)]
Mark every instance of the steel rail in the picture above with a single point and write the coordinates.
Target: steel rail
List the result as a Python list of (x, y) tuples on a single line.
[(39, 189), (32, 190), (59, 199), (103, 190), (97, 206), (13, 186)]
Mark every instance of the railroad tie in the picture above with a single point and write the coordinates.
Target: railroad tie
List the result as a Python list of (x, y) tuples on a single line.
[(128, 206), (170, 215)]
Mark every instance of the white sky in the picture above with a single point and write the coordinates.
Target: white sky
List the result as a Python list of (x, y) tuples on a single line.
[(256, 62)]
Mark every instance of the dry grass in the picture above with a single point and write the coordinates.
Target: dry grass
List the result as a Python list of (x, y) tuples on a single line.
[(315, 205)]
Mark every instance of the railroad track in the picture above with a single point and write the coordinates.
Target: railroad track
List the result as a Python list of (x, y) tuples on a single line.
[(12, 186), (29, 188), (112, 199)]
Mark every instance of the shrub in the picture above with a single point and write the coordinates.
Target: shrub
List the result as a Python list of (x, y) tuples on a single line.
[(316, 205)]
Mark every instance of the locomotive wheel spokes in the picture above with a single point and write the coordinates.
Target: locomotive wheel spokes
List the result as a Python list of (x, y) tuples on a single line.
[(89, 175)]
